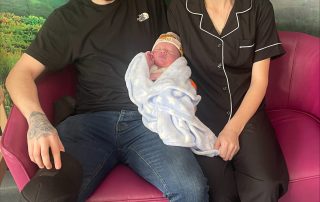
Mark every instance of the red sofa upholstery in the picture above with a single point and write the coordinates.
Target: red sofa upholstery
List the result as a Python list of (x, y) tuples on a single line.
[(292, 104)]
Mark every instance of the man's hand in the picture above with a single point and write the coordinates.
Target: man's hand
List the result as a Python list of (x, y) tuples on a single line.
[(227, 143), (42, 136)]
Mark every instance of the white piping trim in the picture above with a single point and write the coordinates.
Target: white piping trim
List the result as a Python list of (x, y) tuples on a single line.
[(267, 47), (250, 46), (200, 27)]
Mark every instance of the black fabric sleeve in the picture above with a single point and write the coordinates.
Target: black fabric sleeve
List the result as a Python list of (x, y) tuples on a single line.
[(267, 44), (52, 46)]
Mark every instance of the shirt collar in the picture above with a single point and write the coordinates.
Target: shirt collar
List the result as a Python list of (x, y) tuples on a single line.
[(197, 7)]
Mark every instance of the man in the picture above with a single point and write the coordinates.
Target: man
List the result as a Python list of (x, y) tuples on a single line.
[(101, 37)]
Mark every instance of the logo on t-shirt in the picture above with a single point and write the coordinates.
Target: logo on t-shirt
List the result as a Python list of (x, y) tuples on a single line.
[(142, 17)]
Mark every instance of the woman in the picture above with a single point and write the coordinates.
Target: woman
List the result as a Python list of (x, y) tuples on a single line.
[(228, 44)]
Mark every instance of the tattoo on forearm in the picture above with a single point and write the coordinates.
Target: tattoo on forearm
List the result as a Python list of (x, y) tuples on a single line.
[(39, 126)]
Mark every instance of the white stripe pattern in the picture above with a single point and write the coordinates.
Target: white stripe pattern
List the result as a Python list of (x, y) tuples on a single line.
[(267, 47), (250, 46)]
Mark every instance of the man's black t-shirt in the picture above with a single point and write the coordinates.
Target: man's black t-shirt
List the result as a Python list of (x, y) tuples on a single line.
[(100, 40)]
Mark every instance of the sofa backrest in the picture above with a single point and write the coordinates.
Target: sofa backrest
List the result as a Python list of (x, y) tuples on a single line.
[(294, 79), (55, 85)]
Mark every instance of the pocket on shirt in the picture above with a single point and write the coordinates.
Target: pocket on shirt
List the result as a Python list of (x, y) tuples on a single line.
[(245, 52), (246, 43)]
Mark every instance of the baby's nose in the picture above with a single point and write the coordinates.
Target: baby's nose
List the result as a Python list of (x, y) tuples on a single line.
[(163, 52)]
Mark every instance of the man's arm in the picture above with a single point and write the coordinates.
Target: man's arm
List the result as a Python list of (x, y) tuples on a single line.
[(23, 91)]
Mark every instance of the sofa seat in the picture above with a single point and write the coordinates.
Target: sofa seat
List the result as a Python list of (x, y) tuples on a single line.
[(299, 130), (123, 180)]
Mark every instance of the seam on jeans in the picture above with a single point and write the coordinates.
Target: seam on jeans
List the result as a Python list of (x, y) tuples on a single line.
[(157, 174), (97, 169), (117, 128)]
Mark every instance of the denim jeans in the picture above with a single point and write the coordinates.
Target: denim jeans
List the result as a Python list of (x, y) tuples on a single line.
[(100, 140)]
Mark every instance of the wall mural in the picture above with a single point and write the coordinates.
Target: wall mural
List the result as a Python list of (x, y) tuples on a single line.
[(21, 19), (298, 15)]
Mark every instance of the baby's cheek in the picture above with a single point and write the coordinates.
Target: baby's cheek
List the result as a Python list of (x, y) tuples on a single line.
[(171, 58)]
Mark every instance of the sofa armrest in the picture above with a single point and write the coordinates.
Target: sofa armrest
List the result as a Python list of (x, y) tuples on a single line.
[(14, 140), (294, 78), (14, 148)]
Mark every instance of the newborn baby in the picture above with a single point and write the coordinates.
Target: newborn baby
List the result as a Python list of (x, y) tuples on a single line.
[(165, 51), (159, 83)]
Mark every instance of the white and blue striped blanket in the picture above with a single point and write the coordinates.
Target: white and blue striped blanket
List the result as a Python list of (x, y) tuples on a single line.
[(168, 105)]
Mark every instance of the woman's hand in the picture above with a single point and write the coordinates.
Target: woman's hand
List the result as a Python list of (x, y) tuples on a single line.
[(228, 142)]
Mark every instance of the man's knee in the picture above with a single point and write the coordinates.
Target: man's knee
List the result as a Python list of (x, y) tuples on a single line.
[(192, 191), (55, 185)]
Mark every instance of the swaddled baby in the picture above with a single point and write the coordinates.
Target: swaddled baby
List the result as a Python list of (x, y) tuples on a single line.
[(159, 83)]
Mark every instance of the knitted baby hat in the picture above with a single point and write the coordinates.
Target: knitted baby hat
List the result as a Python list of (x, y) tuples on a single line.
[(170, 37)]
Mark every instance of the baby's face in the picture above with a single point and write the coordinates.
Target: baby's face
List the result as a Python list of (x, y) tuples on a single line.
[(165, 54)]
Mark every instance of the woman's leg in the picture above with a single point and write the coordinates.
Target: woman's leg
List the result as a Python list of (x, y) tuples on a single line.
[(260, 169), (221, 179)]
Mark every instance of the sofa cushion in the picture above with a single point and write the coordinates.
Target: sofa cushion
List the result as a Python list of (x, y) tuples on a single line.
[(122, 180), (298, 135), (302, 190)]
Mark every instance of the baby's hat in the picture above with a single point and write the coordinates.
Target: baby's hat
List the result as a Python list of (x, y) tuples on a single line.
[(169, 37)]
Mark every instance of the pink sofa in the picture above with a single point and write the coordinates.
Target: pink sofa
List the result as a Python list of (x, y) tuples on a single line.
[(292, 104)]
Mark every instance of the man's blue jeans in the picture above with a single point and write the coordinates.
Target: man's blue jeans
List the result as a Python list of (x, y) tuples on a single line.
[(100, 140)]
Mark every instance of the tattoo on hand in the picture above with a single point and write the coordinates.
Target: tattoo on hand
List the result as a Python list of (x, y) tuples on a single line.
[(39, 126)]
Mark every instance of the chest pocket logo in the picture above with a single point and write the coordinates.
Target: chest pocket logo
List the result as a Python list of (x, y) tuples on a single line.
[(142, 17)]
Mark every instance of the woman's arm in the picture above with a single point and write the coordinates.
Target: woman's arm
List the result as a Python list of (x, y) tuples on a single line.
[(228, 140)]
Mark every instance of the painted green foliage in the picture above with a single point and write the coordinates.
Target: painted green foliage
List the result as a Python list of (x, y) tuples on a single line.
[(30, 7), (20, 20), (16, 34)]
